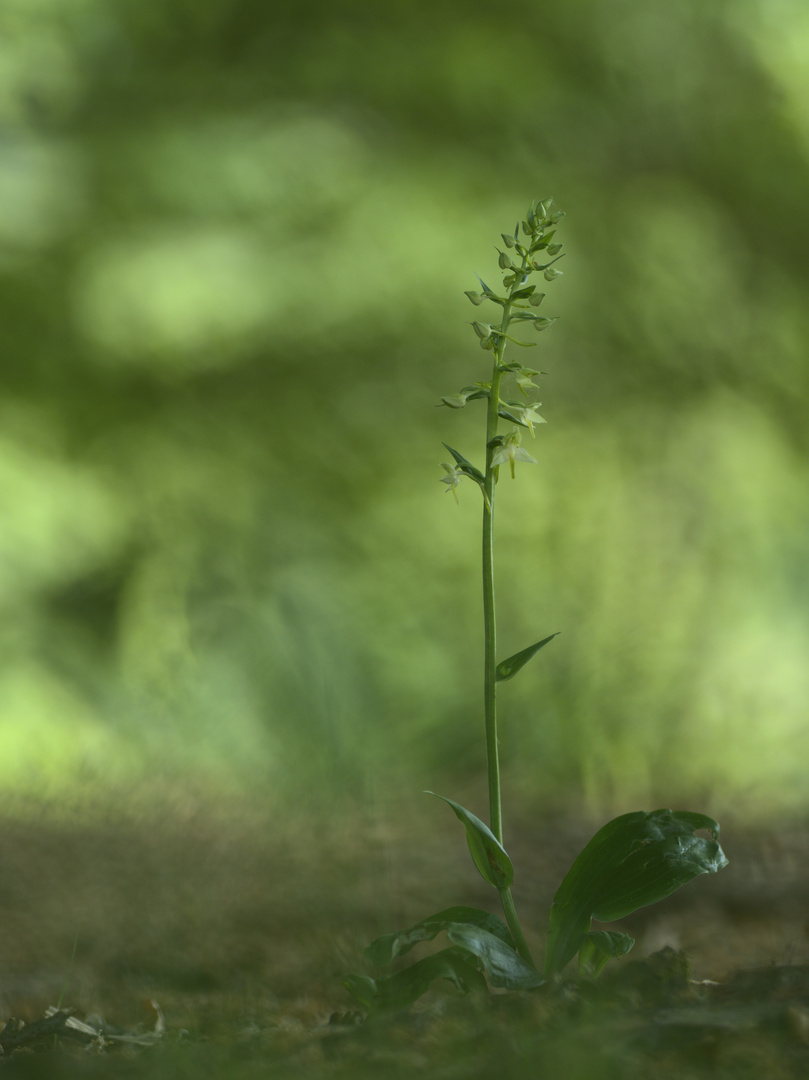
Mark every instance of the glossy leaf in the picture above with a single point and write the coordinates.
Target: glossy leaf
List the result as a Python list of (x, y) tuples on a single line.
[(386, 949), (599, 947), (507, 669), (488, 854), (361, 987), (399, 991), (634, 860), (502, 964)]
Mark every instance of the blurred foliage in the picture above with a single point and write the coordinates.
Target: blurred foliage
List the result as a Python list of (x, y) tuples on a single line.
[(235, 239)]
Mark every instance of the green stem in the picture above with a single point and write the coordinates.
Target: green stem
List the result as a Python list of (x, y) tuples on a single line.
[(490, 629), (489, 619), (489, 622), (510, 912)]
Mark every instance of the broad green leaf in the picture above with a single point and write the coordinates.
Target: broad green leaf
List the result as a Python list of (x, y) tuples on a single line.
[(507, 669), (386, 949), (634, 860), (399, 991), (363, 988), (599, 947), (502, 964), (488, 854)]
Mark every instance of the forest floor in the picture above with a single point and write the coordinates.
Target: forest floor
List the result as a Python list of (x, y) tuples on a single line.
[(212, 942)]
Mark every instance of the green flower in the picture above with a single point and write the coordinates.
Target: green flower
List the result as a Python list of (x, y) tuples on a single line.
[(525, 379), (530, 416), (510, 451), (453, 478)]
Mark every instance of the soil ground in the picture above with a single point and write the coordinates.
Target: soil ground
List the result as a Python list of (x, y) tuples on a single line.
[(238, 926)]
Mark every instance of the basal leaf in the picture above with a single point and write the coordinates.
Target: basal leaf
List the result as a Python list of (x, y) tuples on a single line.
[(363, 988), (399, 991), (488, 854), (502, 964), (387, 948), (600, 946), (509, 668), (634, 860)]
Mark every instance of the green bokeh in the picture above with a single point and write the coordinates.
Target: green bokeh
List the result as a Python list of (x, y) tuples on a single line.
[(235, 239)]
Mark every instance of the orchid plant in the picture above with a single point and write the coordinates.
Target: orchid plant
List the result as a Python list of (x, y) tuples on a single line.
[(636, 859)]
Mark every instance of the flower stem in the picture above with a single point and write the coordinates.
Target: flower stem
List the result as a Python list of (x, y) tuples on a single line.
[(489, 622), (489, 617), (510, 912), (490, 625)]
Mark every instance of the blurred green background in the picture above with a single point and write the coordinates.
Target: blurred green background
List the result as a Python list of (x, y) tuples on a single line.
[(235, 239)]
